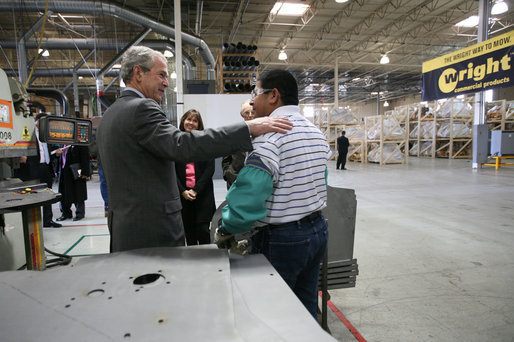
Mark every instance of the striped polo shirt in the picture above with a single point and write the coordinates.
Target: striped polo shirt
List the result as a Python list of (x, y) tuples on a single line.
[(297, 161)]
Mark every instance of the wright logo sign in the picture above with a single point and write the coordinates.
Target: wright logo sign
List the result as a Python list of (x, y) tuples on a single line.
[(478, 67)]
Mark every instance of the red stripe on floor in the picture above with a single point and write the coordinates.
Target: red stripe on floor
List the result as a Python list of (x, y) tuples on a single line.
[(345, 321)]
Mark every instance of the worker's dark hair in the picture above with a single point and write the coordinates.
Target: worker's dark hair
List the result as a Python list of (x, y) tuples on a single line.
[(191, 113), (39, 116), (343, 132), (285, 84)]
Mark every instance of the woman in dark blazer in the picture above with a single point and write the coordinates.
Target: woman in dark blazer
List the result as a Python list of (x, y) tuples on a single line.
[(196, 189)]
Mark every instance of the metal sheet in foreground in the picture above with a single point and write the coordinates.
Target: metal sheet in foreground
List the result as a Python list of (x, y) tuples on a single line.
[(157, 294)]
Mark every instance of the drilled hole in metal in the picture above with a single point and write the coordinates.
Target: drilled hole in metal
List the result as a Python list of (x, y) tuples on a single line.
[(95, 293), (149, 278)]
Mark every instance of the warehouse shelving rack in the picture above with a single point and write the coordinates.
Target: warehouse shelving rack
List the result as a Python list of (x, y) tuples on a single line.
[(454, 116), (387, 135), (242, 77), (500, 115)]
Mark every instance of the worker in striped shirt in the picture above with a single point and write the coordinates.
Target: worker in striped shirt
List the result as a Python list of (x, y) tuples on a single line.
[(281, 190)]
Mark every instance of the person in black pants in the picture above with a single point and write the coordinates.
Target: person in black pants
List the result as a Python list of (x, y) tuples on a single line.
[(194, 181), (342, 150), (73, 187)]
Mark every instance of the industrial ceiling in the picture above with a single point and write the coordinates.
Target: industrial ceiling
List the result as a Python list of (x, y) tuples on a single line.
[(87, 35)]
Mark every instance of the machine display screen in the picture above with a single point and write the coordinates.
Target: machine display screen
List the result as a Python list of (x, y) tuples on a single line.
[(62, 130), (68, 131)]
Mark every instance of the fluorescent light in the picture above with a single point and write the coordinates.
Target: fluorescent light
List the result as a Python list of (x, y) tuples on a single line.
[(469, 22), (488, 95), (499, 7), (173, 75), (386, 104), (81, 77), (287, 8), (168, 54), (384, 60), (282, 55), (341, 1), (116, 66), (356, 79), (44, 53)]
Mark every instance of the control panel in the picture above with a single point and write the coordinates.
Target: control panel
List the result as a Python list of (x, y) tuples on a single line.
[(67, 131)]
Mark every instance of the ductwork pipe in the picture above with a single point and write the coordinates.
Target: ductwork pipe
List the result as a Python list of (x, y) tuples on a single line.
[(103, 8), (66, 72), (105, 44)]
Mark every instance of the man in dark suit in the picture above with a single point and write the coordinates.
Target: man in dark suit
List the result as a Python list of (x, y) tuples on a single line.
[(138, 147), (342, 150)]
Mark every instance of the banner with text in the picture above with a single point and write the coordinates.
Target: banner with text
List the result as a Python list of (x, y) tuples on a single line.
[(482, 66)]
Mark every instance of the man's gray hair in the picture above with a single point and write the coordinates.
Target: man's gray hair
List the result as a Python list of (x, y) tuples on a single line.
[(137, 55), (245, 104)]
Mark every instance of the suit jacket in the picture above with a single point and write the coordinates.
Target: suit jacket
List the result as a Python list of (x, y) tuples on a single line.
[(204, 205), (138, 147)]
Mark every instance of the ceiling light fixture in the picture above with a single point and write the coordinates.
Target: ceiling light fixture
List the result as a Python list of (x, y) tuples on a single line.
[(499, 7), (386, 104), (44, 53), (469, 22), (168, 54), (282, 55), (341, 1), (384, 59), (173, 75), (289, 8)]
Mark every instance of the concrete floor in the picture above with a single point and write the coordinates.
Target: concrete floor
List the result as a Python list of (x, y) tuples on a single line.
[(434, 243)]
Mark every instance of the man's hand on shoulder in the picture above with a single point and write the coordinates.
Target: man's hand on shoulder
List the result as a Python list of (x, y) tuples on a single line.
[(266, 124)]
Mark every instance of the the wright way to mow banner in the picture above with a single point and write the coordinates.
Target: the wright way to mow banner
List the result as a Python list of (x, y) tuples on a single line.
[(482, 66)]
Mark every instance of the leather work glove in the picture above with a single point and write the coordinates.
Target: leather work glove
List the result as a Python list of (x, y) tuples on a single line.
[(223, 239), (239, 247)]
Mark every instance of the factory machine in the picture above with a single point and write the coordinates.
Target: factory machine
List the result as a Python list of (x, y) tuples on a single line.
[(21, 233)]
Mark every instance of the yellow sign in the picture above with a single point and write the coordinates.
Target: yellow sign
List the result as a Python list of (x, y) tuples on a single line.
[(26, 134), (490, 45), (476, 68)]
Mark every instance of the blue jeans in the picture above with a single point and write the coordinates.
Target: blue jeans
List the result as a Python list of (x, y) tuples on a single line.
[(103, 187), (296, 251)]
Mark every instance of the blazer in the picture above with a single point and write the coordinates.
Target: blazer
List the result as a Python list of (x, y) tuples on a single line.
[(204, 205), (138, 147), (74, 190)]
